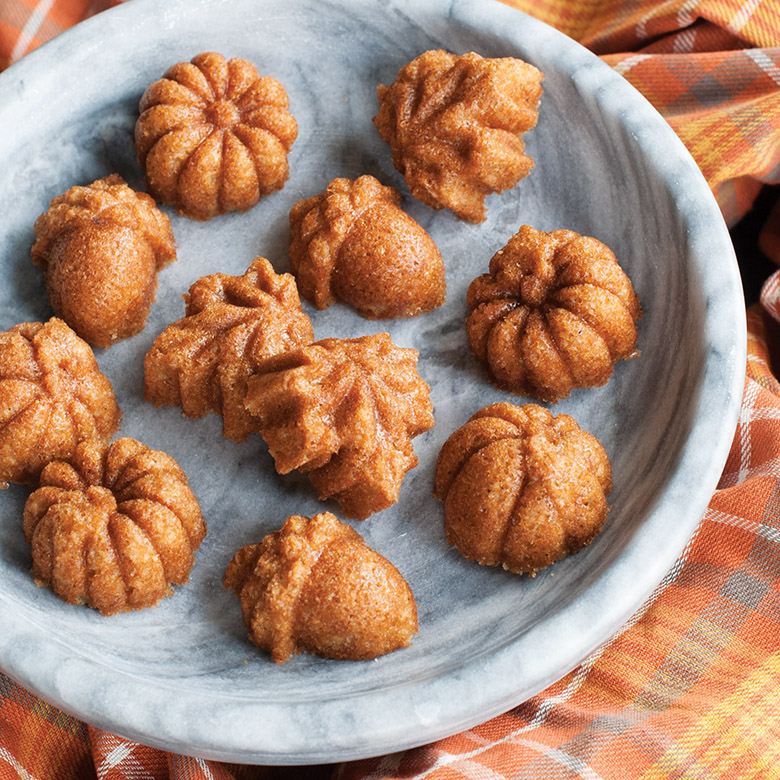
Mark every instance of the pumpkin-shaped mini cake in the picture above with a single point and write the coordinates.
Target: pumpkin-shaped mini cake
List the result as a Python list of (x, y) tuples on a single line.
[(202, 362), (100, 248), (455, 124), (213, 136), (314, 586), (344, 411), (52, 395), (115, 528), (522, 488), (353, 243), (555, 312)]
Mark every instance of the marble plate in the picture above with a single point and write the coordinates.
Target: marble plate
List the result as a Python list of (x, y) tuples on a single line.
[(183, 676)]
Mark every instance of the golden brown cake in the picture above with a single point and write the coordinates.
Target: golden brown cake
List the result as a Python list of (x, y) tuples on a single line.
[(521, 488), (115, 528), (555, 312), (345, 412), (202, 362), (213, 136), (100, 248), (314, 586), (52, 395), (454, 125), (353, 243)]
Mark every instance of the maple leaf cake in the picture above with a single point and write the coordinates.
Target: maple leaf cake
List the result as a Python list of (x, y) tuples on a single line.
[(52, 396), (522, 488), (344, 411), (115, 528), (315, 586), (555, 312), (100, 248), (455, 127), (213, 136), (202, 362), (353, 243)]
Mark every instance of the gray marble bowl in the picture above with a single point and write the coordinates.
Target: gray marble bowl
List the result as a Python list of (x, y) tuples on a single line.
[(183, 676)]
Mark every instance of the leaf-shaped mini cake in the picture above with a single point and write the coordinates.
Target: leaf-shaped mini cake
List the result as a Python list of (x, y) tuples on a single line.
[(555, 312), (52, 395), (344, 411), (213, 136), (454, 125), (202, 362), (115, 528), (315, 586)]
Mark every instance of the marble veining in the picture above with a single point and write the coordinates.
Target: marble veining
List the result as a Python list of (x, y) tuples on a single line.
[(606, 164)]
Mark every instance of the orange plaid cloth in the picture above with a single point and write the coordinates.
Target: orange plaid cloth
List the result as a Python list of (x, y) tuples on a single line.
[(690, 687)]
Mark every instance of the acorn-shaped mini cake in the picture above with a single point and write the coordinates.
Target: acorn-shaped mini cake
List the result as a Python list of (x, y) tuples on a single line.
[(353, 243), (202, 362), (344, 411), (455, 124), (555, 312), (314, 586), (52, 395), (522, 488), (115, 528), (213, 136), (100, 248)]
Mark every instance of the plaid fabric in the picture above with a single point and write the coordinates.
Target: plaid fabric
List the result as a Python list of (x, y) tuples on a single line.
[(689, 687)]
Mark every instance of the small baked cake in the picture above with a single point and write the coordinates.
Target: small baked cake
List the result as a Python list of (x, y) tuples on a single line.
[(114, 528), (202, 362), (52, 395), (344, 411), (100, 248), (522, 488), (555, 312), (213, 136), (353, 243), (455, 127), (314, 586)]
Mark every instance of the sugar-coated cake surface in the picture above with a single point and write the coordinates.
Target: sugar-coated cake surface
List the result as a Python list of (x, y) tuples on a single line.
[(100, 247), (455, 124), (114, 528), (522, 488), (555, 312), (52, 395), (344, 411), (315, 586), (202, 361), (213, 136), (354, 243)]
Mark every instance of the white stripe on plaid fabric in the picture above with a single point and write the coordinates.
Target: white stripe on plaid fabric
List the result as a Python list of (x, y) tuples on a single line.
[(444, 759), (625, 65), (119, 751), (205, 768), (31, 27), (770, 295), (575, 765), (685, 42), (742, 16), (770, 533), (684, 16), (11, 760), (759, 56), (749, 415), (121, 755)]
